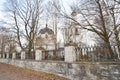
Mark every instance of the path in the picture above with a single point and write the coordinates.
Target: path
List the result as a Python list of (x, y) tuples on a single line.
[(9, 72)]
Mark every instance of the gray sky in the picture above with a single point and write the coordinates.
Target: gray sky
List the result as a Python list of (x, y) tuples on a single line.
[(1, 3), (1, 8), (66, 3)]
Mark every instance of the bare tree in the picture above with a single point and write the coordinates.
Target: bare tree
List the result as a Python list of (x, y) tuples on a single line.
[(53, 15), (26, 15), (118, 1), (95, 18), (101, 21), (7, 40), (114, 10)]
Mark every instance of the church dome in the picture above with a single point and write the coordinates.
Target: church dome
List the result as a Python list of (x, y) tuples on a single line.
[(46, 30)]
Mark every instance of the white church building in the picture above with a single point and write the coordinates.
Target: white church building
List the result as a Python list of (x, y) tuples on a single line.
[(45, 39)]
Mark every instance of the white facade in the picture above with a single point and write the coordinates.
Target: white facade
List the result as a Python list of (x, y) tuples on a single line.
[(46, 39)]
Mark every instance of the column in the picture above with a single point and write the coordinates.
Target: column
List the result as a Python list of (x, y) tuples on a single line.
[(14, 55), (0, 55), (3, 55), (70, 55), (38, 54), (23, 55), (7, 55)]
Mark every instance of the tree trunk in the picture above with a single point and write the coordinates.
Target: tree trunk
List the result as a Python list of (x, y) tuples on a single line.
[(112, 56)]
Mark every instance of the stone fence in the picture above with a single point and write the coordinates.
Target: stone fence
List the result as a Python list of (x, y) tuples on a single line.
[(69, 54), (68, 67), (66, 54), (72, 70)]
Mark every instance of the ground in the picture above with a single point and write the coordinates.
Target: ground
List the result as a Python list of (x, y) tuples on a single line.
[(10, 72)]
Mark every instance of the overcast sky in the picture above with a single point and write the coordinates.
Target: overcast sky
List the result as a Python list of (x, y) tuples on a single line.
[(1, 8), (65, 3), (1, 3)]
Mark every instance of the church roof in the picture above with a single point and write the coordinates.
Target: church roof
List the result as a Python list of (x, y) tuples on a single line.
[(46, 30)]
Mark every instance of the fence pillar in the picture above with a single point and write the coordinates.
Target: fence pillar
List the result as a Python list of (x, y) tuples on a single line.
[(23, 55), (3, 55), (38, 54), (7, 55), (14, 55), (117, 51), (70, 55), (0, 55)]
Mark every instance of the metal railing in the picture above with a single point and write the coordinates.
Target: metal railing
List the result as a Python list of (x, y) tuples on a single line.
[(97, 53), (10, 56), (18, 55), (30, 55), (91, 53), (53, 54)]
